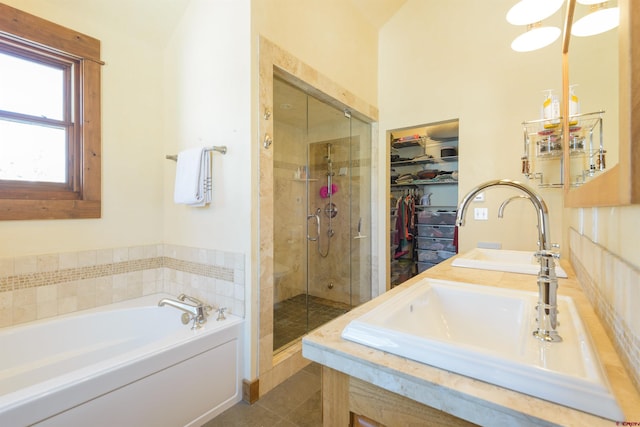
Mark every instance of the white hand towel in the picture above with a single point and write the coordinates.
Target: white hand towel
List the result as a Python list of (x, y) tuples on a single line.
[(193, 178)]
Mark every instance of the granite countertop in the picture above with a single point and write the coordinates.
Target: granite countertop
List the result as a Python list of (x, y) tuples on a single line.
[(461, 396)]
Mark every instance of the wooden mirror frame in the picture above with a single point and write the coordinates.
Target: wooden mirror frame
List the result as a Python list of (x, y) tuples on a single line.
[(619, 185)]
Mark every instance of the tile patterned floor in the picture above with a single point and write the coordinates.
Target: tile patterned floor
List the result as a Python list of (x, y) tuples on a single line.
[(290, 317), (294, 403)]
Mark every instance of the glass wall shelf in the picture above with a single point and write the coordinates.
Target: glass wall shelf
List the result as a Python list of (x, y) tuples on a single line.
[(542, 158)]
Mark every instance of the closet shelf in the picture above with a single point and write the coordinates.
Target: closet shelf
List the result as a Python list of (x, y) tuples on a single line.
[(416, 182), (431, 161)]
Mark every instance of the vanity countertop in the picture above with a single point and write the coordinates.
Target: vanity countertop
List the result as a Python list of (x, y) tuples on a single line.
[(465, 397)]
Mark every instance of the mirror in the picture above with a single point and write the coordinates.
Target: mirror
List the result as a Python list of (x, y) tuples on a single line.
[(619, 184), (593, 81)]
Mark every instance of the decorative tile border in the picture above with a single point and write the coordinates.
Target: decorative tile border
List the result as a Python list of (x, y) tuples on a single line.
[(205, 270), (41, 286), (613, 288), (34, 280)]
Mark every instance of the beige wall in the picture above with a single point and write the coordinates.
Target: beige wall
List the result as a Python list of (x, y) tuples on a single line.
[(132, 157), (331, 36), (206, 89), (460, 65), (446, 60)]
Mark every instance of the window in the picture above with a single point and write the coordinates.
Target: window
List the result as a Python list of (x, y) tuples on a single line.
[(49, 120)]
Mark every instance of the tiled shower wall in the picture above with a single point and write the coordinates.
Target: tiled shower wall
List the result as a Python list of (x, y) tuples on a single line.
[(613, 288), (41, 286)]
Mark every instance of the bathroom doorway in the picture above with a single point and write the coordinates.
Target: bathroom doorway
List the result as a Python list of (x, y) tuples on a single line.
[(322, 212)]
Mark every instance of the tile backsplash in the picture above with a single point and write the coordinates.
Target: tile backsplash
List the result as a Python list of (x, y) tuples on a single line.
[(613, 288), (41, 286)]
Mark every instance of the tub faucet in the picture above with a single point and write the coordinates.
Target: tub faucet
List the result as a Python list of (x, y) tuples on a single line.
[(197, 313), (547, 308)]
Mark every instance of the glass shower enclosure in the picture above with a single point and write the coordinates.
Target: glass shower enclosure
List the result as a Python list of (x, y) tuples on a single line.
[(322, 212)]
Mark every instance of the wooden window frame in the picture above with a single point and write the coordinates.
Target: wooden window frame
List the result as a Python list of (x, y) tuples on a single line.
[(81, 196)]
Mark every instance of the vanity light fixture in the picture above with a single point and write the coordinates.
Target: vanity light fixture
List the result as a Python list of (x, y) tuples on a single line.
[(599, 19), (531, 13)]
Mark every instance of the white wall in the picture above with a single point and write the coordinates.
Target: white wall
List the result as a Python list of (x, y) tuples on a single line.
[(207, 86), (445, 60), (329, 35), (132, 141)]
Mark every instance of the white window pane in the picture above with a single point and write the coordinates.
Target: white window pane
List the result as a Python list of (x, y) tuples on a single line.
[(32, 153), (31, 88)]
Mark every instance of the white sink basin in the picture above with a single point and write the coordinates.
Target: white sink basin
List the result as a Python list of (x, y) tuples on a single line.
[(502, 260), (486, 333)]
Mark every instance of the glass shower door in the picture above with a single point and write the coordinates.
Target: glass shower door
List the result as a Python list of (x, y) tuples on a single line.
[(322, 194), (329, 210)]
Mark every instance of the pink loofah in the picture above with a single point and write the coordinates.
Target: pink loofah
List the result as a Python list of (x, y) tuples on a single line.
[(324, 192)]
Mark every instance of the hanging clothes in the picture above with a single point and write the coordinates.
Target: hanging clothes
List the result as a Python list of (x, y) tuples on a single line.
[(405, 224)]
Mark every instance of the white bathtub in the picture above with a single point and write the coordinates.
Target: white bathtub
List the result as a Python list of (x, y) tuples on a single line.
[(126, 364)]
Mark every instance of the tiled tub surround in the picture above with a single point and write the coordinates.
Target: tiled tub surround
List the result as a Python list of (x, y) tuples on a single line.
[(41, 286), (613, 288)]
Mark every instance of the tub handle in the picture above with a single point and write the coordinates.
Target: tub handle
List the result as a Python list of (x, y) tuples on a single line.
[(183, 297), (186, 318)]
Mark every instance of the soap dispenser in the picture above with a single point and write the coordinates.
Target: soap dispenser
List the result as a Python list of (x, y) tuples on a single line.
[(551, 110), (574, 106)]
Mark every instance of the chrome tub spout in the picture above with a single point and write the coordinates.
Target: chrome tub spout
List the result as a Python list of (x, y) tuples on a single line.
[(197, 313), (547, 281)]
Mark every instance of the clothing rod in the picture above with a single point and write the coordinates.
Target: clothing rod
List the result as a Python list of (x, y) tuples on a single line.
[(220, 149)]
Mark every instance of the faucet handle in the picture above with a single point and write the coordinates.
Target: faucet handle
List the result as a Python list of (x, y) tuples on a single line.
[(545, 253), (194, 300), (221, 311)]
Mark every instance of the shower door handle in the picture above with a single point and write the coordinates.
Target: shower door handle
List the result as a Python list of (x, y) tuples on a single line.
[(317, 218)]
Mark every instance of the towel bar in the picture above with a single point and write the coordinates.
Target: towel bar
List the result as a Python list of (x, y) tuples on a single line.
[(220, 149)]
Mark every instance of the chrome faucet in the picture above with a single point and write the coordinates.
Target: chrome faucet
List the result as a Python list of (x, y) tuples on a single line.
[(547, 308), (506, 202), (197, 313)]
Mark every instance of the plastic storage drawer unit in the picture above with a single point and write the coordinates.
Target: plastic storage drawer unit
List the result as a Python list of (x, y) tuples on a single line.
[(435, 244), (437, 218), (436, 231), (434, 256)]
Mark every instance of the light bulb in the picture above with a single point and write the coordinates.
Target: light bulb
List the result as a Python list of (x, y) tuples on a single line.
[(529, 11), (536, 38), (599, 21)]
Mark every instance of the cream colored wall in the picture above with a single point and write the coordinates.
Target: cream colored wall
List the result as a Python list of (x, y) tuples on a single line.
[(207, 86), (132, 160), (331, 36), (445, 60), (206, 90)]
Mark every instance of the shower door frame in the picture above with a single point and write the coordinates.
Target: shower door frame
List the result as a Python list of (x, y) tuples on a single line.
[(274, 61)]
